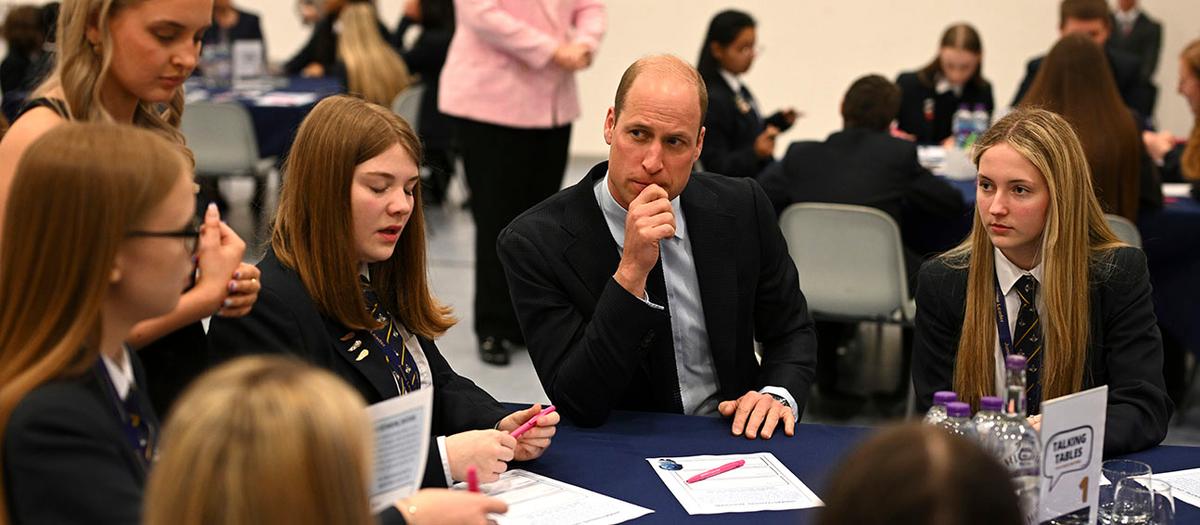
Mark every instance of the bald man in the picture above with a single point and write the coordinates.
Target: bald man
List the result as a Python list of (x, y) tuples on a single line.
[(644, 286)]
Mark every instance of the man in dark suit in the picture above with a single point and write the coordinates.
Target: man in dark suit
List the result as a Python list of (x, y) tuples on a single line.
[(1135, 33), (864, 165), (1092, 18), (612, 325)]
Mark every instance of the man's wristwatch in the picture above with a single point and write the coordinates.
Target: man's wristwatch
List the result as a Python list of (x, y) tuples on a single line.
[(782, 400)]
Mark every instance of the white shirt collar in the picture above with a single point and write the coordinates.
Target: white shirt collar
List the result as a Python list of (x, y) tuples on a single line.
[(121, 374), (944, 86), (614, 214), (731, 79), (1008, 273), (1127, 17)]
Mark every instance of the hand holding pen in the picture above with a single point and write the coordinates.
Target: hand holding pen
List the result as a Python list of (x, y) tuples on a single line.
[(533, 428)]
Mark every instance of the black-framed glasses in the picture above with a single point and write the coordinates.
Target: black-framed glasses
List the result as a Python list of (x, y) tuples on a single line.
[(190, 235)]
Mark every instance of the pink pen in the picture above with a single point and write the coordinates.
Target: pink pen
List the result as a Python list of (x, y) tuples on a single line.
[(719, 470), (472, 479), (532, 421)]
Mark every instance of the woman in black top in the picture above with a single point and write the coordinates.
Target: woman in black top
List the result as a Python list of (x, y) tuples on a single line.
[(738, 141), (931, 95)]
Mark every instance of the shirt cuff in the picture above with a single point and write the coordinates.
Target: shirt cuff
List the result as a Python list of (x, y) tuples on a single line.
[(441, 445), (783, 392), (645, 299)]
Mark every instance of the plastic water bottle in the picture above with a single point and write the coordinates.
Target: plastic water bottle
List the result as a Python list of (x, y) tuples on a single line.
[(962, 126), (937, 412), (981, 120), (1018, 444), (987, 417), (958, 420)]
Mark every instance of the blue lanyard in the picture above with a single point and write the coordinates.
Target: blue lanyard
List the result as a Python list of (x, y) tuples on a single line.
[(1006, 342)]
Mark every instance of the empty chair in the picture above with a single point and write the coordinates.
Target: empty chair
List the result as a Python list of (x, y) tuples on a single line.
[(408, 104), (1125, 229), (221, 136)]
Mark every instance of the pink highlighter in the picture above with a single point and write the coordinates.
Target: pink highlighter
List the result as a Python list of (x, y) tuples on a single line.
[(719, 470), (472, 479), (532, 421)]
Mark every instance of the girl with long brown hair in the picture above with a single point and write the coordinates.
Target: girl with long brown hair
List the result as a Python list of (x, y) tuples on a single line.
[(344, 287), (931, 95), (1076, 82), (99, 236), (1181, 160), (1042, 275), (125, 61), (250, 436)]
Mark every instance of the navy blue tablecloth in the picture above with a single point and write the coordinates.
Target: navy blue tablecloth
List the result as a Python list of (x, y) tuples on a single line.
[(275, 126), (1170, 238), (611, 460)]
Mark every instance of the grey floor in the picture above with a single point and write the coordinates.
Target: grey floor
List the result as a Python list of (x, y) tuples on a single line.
[(451, 271)]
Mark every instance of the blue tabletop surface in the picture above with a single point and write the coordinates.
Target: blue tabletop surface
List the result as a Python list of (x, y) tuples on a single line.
[(611, 460)]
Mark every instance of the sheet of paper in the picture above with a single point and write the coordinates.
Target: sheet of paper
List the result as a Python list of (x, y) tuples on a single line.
[(401, 445), (537, 500), (286, 99), (1176, 189), (1185, 485), (763, 483)]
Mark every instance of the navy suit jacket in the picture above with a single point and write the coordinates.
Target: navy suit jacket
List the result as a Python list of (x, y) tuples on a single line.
[(598, 348), (1125, 349), (285, 320)]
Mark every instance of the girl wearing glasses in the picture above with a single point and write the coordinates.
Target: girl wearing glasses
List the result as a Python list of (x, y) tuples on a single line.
[(125, 61), (78, 432), (1042, 275), (344, 287)]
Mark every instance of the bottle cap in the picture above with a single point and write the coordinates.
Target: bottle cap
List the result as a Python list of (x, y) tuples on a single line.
[(941, 397), (1014, 362), (958, 409), (992, 403)]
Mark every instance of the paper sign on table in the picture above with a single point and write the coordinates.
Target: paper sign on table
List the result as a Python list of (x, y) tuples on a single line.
[(537, 500), (402, 426), (1072, 449), (1185, 485), (763, 483)]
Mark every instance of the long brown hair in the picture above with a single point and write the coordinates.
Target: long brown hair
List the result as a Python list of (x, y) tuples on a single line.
[(958, 36), (77, 190), (1190, 162), (1075, 81), (1075, 241), (314, 229), (263, 439), (80, 70), (373, 69)]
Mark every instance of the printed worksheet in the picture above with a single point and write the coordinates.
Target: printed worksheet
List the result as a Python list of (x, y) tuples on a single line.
[(762, 483), (538, 500), (401, 445)]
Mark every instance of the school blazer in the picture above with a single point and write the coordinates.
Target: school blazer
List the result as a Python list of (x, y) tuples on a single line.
[(285, 320), (66, 457), (1124, 352)]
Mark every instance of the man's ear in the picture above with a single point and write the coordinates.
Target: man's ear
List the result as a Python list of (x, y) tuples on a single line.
[(699, 144), (610, 124)]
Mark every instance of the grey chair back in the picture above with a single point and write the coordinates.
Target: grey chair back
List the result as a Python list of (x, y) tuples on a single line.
[(221, 135)]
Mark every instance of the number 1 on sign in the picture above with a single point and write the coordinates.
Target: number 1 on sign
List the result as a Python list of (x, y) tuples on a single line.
[(1083, 488)]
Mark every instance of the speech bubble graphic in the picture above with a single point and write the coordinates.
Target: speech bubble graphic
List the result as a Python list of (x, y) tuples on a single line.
[(1067, 451)]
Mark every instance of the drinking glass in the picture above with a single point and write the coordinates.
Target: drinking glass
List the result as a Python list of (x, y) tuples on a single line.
[(1115, 470)]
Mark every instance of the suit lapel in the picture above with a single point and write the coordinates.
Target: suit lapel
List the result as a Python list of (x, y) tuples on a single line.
[(711, 232), (354, 347), (593, 254)]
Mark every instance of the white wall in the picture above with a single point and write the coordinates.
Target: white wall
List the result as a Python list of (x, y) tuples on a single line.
[(813, 50)]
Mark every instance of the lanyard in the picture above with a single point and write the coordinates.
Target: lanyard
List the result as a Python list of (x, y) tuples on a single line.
[(1006, 342), (130, 417)]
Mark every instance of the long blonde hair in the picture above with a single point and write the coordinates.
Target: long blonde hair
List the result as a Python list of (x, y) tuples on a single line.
[(1190, 162), (77, 190), (80, 69), (1075, 240), (314, 228), (373, 69), (263, 439)]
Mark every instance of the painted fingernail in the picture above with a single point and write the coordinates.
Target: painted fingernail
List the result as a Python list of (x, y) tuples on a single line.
[(233, 286), (237, 275), (227, 303)]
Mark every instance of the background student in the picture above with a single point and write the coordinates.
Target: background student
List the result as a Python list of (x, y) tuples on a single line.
[(344, 287), (1181, 160), (739, 141), (931, 95), (273, 440), (79, 432), (1076, 301)]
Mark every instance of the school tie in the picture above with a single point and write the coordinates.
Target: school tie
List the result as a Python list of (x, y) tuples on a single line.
[(1028, 333), (387, 341), (141, 431)]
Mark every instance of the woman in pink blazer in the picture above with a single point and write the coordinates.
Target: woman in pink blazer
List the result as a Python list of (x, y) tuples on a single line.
[(509, 81)]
